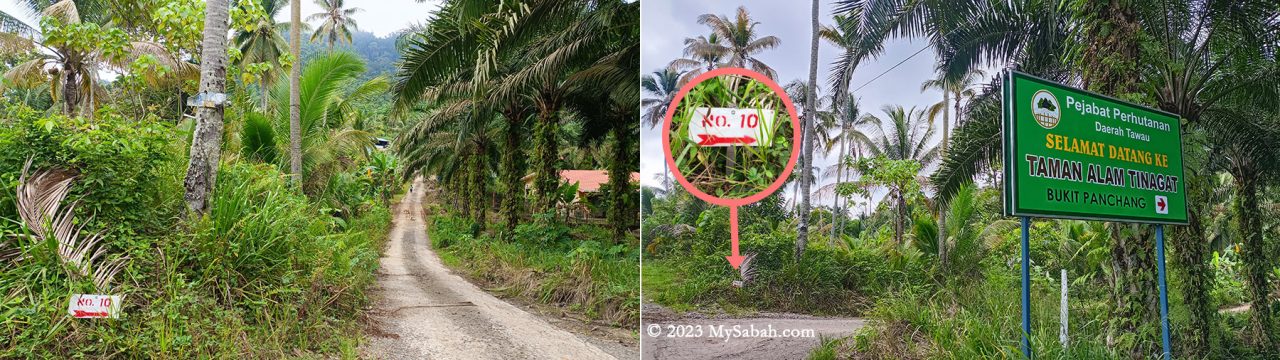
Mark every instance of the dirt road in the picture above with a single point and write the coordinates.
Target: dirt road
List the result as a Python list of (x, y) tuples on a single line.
[(423, 311), (719, 340)]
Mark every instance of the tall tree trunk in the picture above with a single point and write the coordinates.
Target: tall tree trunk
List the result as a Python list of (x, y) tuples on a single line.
[(806, 143), (1191, 254), (620, 183), (547, 154), (70, 90), (1260, 330), (206, 142), (1106, 67), (942, 210), (837, 228), (263, 84), (295, 94), (511, 156), (476, 185)]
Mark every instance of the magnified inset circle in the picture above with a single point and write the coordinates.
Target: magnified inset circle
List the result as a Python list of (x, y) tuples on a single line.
[(731, 136)]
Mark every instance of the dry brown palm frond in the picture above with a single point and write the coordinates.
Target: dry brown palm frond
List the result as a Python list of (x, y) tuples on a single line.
[(16, 43), (102, 275), (39, 199), (73, 249), (8, 253), (746, 271), (39, 196), (28, 74), (65, 11)]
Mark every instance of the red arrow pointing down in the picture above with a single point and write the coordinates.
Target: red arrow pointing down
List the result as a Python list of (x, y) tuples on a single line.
[(708, 140), (735, 260)]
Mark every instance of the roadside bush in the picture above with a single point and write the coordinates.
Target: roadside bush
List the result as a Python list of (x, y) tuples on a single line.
[(266, 275), (128, 180), (828, 279), (577, 268)]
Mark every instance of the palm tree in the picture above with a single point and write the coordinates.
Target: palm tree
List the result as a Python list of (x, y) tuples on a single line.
[(808, 126), (856, 43), (848, 139), (264, 44), (206, 143), (798, 91), (327, 136), (548, 55), (337, 25), (959, 88), (740, 40), (70, 65), (295, 93), (660, 88), (703, 53), (903, 134)]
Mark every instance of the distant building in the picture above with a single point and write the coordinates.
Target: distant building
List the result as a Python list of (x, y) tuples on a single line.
[(587, 202)]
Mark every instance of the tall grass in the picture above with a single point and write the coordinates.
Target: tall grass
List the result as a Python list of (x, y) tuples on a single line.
[(266, 274), (549, 263)]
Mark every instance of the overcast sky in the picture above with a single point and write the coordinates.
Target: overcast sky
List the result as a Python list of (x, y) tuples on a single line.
[(665, 24), (380, 17)]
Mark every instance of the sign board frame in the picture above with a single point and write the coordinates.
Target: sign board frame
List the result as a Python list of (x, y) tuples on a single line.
[(1013, 168)]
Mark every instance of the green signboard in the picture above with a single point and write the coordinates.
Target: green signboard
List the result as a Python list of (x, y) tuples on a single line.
[(1069, 153)]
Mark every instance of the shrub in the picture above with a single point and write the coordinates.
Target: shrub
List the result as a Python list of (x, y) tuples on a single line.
[(129, 180), (545, 264)]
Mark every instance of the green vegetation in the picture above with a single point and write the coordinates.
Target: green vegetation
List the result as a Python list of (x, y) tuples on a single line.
[(573, 268), (508, 96), (267, 264), (93, 175), (734, 171), (940, 260)]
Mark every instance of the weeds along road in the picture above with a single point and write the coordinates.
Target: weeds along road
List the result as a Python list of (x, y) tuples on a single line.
[(422, 310)]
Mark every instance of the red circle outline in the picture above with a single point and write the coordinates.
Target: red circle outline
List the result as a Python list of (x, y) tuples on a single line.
[(795, 135)]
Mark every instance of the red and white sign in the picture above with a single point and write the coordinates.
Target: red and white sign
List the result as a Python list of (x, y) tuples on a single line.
[(1162, 204), (731, 126), (86, 306)]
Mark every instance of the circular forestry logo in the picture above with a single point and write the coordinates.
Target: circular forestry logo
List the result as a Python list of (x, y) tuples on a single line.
[(1044, 106)]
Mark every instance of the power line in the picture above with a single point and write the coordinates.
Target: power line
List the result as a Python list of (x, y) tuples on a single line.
[(891, 69)]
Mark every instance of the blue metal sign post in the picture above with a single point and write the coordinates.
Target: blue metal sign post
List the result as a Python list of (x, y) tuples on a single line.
[(1026, 288), (1164, 293)]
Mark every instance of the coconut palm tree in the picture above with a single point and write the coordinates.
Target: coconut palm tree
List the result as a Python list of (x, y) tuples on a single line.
[(855, 43), (337, 25), (951, 87), (849, 139), (264, 44), (740, 41), (206, 142), (295, 93), (702, 54), (327, 137), (88, 45), (903, 134), (660, 88)]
